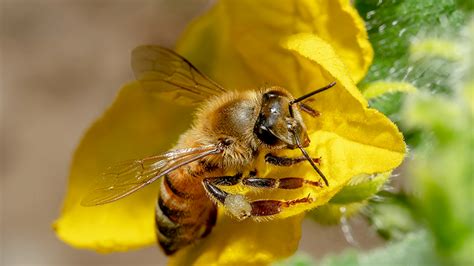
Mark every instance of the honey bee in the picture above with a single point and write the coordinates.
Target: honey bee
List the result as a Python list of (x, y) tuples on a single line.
[(231, 128)]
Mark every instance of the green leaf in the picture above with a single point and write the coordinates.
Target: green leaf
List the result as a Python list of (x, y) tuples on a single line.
[(360, 188), (391, 26), (400, 31), (350, 199), (331, 214)]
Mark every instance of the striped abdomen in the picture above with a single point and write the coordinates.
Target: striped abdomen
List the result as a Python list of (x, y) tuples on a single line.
[(184, 213)]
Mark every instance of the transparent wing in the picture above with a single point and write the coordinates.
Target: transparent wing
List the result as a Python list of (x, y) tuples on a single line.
[(125, 178), (165, 72)]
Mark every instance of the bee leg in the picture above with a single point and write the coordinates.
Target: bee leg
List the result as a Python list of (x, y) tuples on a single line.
[(236, 204), (282, 183), (240, 207), (211, 183), (286, 161), (309, 110), (272, 207)]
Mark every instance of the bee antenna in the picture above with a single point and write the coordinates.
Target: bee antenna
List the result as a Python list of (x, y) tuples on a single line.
[(299, 99), (306, 155)]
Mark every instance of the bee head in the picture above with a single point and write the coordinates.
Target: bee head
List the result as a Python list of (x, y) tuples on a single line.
[(280, 124)]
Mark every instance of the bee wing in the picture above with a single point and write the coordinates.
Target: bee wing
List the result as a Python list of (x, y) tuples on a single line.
[(165, 72), (125, 178)]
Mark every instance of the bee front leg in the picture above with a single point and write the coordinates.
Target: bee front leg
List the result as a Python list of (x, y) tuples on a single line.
[(309, 110), (239, 206), (286, 161)]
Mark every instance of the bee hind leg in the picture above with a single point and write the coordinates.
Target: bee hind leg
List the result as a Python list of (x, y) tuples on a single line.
[(240, 207), (272, 207), (211, 183)]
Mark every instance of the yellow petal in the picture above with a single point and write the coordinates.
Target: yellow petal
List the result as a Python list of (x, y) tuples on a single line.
[(357, 55), (344, 110), (235, 38), (136, 125), (319, 60), (246, 242), (350, 138)]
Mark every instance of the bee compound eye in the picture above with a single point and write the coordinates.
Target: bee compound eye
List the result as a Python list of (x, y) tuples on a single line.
[(266, 136)]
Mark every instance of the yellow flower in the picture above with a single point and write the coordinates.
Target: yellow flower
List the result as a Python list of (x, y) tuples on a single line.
[(242, 44)]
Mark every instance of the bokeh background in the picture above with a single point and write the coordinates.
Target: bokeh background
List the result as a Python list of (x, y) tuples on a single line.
[(61, 64)]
